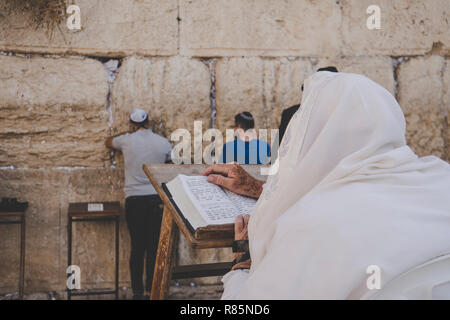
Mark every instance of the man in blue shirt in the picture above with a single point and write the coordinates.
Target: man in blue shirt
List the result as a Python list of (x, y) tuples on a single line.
[(246, 148)]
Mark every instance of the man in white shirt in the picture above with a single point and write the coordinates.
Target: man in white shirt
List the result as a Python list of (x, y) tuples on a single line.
[(143, 207)]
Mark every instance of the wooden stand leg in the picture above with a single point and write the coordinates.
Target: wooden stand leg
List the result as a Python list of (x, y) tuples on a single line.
[(117, 258), (165, 257)]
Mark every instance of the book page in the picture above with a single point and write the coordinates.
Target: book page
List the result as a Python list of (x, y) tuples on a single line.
[(212, 201), (243, 204)]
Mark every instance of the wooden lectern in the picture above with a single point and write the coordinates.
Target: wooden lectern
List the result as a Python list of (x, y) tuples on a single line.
[(219, 237)]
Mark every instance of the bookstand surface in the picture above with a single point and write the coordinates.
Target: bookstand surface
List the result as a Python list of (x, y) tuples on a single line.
[(209, 237)]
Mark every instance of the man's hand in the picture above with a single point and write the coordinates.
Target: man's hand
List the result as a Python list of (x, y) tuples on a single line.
[(108, 143), (234, 178), (241, 233), (241, 227)]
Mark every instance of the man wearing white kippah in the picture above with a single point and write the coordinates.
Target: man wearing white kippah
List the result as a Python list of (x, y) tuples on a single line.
[(143, 207)]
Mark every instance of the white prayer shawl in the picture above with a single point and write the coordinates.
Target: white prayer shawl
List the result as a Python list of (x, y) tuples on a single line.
[(349, 193)]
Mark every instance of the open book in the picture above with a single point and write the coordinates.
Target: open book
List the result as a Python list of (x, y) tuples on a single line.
[(204, 204)]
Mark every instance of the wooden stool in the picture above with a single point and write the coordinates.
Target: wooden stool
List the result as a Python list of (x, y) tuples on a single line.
[(79, 212), (21, 221), (165, 268)]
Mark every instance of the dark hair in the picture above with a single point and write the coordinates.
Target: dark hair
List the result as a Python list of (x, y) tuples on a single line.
[(330, 69), (244, 120)]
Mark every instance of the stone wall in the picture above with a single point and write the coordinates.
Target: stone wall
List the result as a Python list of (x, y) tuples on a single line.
[(182, 60)]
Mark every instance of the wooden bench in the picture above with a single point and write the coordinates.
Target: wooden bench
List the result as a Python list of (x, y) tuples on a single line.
[(79, 212)]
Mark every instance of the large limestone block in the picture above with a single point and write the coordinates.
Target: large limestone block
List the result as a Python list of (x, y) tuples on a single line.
[(407, 27), (263, 87), (239, 87), (174, 91), (283, 79), (421, 96), (52, 112), (378, 69), (108, 28), (259, 27)]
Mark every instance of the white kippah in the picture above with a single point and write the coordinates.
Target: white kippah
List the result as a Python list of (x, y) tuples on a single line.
[(246, 117), (138, 115)]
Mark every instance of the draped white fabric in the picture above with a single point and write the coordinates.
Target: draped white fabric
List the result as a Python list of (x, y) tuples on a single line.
[(349, 193)]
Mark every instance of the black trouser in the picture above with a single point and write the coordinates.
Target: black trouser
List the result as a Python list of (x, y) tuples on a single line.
[(144, 216)]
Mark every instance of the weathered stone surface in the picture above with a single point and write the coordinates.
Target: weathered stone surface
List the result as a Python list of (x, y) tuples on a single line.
[(379, 69), (259, 27), (108, 28), (421, 98), (52, 112), (174, 91), (283, 79), (263, 87), (239, 87), (407, 27)]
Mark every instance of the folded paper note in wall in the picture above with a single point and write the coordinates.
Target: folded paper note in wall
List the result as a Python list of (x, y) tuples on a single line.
[(95, 207)]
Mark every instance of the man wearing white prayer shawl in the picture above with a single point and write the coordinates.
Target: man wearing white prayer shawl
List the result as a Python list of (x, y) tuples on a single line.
[(349, 193)]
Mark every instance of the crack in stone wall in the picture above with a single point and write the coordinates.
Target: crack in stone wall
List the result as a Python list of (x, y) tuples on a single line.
[(396, 62), (211, 63), (112, 66)]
